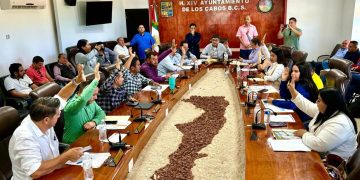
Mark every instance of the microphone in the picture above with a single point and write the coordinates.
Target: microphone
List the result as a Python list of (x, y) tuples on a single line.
[(185, 76), (251, 99), (259, 125), (120, 144)]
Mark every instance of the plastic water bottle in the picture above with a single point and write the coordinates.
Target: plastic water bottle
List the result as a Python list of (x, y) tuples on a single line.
[(266, 116), (87, 166), (196, 66), (102, 131), (238, 71), (226, 57), (256, 109)]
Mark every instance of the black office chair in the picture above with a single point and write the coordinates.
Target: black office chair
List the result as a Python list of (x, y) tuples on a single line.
[(9, 121)]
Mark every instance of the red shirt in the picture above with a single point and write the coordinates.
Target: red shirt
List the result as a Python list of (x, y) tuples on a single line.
[(38, 77)]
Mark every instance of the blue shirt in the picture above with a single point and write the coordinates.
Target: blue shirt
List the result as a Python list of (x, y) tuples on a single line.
[(340, 53), (142, 42)]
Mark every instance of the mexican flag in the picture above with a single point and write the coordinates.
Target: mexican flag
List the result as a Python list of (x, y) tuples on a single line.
[(155, 25)]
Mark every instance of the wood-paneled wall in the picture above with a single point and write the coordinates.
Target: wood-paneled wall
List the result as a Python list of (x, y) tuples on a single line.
[(225, 23)]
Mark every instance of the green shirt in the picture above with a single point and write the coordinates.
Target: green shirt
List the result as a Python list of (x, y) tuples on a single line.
[(77, 112), (291, 40)]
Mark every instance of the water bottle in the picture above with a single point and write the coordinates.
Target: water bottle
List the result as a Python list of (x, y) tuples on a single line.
[(102, 131), (238, 71), (266, 116), (256, 109), (87, 166), (226, 57), (196, 66)]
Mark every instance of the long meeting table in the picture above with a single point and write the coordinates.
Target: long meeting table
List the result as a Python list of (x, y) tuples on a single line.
[(261, 161)]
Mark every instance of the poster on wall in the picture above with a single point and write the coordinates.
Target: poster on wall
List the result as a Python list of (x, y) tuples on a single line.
[(166, 9), (265, 6)]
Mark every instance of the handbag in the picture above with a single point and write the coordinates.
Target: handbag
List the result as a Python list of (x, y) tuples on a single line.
[(335, 166)]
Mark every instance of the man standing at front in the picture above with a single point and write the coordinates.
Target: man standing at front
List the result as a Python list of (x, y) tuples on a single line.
[(291, 34), (245, 34), (143, 40)]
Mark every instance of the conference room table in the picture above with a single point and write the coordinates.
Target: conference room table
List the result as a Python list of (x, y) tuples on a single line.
[(261, 161)]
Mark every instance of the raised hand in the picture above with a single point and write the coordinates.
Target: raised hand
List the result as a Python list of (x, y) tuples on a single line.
[(97, 71), (117, 64), (285, 74), (81, 76), (132, 54)]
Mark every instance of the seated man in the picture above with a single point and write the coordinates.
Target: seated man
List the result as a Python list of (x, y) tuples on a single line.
[(18, 84), (215, 49), (109, 56), (134, 81), (184, 50), (149, 68), (34, 147), (82, 113), (112, 92), (353, 53), (340, 53), (172, 63), (37, 72), (121, 48), (64, 71)]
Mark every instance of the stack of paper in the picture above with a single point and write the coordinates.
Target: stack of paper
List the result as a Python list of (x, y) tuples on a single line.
[(238, 63), (270, 89), (122, 122), (97, 160), (247, 69), (163, 87), (282, 118), (186, 67), (275, 108), (288, 145)]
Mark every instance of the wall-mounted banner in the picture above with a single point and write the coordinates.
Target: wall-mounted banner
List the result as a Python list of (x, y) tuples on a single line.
[(213, 5)]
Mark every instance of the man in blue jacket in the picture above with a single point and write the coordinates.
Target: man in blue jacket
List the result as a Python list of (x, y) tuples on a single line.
[(143, 40)]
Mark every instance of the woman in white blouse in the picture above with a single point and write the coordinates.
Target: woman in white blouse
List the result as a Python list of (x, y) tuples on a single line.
[(274, 71), (332, 129)]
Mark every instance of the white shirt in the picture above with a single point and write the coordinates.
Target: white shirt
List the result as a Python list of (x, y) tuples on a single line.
[(28, 147), (122, 50), (335, 136), (22, 85)]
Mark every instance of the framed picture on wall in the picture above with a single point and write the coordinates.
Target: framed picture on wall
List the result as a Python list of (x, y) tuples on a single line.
[(265, 6), (166, 9)]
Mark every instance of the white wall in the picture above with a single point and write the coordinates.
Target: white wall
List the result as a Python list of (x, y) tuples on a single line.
[(70, 23), (32, 32), (324, 23), (135, 4), (356, 22)]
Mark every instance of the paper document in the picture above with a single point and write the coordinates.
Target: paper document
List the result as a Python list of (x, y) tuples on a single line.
[(275, 108), (288, 145), (270, 89), (247, 69), (282, 118), (163, 87), (97, 160), (186, 67), (114, 138), (282, 134), (238, 63), (256, 79)]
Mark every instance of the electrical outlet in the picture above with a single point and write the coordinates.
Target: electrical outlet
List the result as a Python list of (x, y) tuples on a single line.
[(7, 36)]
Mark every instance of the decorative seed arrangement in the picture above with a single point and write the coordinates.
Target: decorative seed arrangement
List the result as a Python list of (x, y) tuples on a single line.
[(196, 135)]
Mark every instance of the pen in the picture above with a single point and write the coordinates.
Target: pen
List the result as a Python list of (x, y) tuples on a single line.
[(79, 162)]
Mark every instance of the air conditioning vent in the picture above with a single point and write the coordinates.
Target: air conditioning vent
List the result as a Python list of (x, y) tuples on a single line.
[(22, 4)]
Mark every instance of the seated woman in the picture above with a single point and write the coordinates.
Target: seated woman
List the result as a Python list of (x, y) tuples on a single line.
[(304, 84), (255, 55), (88, 57), (276, 68), (332, 130)]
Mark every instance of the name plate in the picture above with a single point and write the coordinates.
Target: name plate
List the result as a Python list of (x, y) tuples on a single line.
[(118, 156), (140, 128)]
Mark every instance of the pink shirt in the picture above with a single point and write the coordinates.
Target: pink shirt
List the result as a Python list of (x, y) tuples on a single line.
[(246, 33), (38, 77)]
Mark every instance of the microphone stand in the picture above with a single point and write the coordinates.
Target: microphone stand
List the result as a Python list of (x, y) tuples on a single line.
[(158, 97), (259, 125), (141, 117)]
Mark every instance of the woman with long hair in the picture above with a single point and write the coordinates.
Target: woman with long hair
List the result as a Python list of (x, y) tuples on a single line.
[(301, 76), (332, 130), (274, 71)]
